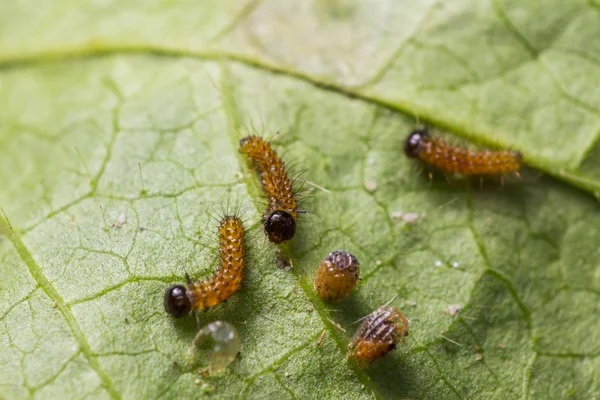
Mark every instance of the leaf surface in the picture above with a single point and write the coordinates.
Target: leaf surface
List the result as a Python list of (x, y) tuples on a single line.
[(130, 114)]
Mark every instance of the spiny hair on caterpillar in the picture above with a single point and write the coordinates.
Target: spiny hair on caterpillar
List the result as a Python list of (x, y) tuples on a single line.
[(461, 161), (283, 201), (209, 238), (298, 184), (296, 175), (180, 300), (217, 214), (387, 303), (378, 334)]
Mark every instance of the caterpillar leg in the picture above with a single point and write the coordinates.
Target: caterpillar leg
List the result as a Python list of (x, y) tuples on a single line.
[(416, 168), (518, 175), (197, 319), (448, 179)]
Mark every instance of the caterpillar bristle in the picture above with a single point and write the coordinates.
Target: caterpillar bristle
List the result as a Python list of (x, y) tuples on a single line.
[(280, 216), (226, 281), (458, 160)]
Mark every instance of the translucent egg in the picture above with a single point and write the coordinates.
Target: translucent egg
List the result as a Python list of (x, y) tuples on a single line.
[(220, 343)]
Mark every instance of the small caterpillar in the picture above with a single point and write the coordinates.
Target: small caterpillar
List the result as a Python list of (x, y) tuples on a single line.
[(337, 276), (181, 300), (280, 217), (456, 160), (379, 334)]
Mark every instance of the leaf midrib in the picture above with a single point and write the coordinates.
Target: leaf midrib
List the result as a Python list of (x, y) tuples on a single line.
[(52, 293), (574, 178), (35, 269), (233, 130)]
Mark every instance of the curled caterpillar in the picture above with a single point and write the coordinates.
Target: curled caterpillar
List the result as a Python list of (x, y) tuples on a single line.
[(181, 300), (337, 276), (379, 334), (451, 159), (280, 217)]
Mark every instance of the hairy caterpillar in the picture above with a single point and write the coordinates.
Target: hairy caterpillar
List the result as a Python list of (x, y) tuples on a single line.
[(451, 159), (379, 334), (181, 300), (280, 217)]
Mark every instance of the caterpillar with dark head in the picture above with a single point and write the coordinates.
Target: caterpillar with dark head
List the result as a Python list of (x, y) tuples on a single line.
[(456, 160), (280, 217), (180, 300)]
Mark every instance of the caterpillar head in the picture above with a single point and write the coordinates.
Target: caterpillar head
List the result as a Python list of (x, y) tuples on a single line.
[(280, 226), (414, 142), (176, 301)]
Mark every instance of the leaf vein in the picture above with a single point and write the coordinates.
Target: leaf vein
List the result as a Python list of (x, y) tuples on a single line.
[(37, 274)]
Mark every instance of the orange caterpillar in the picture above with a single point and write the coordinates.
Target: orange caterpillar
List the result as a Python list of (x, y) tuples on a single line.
[(181, 300), (280, 218), (337, 276), (456, 160), (379, 334)]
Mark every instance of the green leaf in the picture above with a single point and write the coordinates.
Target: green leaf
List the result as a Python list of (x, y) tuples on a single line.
[(130, 114)]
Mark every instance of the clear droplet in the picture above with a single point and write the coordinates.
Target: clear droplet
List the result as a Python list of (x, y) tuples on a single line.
[(220, 343)]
